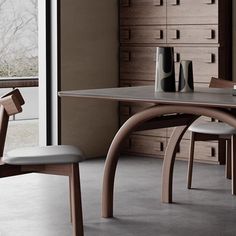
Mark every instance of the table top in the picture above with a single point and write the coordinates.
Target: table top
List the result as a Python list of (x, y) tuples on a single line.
[(210, 97)]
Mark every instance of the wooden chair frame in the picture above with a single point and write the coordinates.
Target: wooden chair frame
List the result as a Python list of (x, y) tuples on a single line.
[(224, 141), (11, 104)]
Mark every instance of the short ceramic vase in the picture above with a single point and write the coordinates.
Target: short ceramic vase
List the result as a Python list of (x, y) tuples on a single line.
[(186, 76), (165, 70)]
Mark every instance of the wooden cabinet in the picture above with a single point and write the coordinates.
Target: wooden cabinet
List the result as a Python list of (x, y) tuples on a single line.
[(192, 34), (199, 30), (142, 12), (137, 63), (193, 11), (143, 34), (205, 62), (146, 145), (206, 151)]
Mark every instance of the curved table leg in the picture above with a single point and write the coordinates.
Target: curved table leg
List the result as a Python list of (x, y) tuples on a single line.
[(135, 121), (168, 163), (113, 153)]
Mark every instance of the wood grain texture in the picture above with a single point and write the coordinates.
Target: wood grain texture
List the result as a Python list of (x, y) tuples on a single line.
[(17, 83), (10, 104), (199, 30), (143, 12)]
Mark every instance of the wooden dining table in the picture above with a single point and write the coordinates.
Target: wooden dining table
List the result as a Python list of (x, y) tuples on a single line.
[(174, 109)]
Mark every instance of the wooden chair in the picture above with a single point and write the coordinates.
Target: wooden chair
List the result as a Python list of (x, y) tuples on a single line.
[(208, 131), (59, 160)]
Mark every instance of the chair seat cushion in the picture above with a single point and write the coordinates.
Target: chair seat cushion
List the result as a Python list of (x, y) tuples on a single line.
[(216, 128), (62, 154)]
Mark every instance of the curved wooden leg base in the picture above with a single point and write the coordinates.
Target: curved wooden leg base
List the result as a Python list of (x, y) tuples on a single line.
[(169, 160), (168, 166)]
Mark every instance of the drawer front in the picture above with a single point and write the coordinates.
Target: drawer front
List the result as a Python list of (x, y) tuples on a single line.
[(142, 12), (192, 34), (137, 63), (131, 83), (204, 151), (154, 132), (192, 12), (205, 62), (146, 145), (141, 34)]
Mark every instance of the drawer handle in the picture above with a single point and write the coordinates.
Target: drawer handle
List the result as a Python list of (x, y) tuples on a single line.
[(177, 57), (124, 3), (161, 146), (125, 34), (209, 58), (210, 34), (158, 2), (159, 34), (174, 34), (175, 2), (209, 2), (213, 152), (125, 56)]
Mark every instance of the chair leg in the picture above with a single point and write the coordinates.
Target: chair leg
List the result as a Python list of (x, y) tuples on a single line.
[(233, 164), (76, 206), (190, 161), (222, 151), (70, 199), (228, 160)]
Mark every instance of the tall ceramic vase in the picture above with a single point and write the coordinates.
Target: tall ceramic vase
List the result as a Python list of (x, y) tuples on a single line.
[(165, 70), (186, 76)]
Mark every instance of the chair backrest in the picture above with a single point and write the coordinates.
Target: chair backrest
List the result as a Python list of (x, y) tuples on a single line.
[(221, 83), (10, 104)]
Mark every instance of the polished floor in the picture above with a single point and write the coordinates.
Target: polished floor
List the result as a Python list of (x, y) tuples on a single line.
[(38, 205)]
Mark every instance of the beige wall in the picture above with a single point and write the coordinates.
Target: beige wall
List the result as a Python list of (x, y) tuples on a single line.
[(89, 59)]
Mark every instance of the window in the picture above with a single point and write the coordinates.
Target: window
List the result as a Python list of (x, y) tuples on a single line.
[(18, 38)]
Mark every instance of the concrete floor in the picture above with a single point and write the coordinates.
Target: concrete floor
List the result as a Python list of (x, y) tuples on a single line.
[(37, 205)]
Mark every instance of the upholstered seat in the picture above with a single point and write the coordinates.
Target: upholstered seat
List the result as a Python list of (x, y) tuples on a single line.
[(215, 128), (63, 154)]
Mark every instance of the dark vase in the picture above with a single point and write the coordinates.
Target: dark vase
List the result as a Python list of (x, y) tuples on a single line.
[(165, 70), (186, 76)]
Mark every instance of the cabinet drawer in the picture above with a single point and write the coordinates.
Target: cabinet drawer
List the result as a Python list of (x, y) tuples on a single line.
[(205, 62), (137, 63), (146, 145), (192, 34), (204, 151), (192, 12), (142, 12), (141, 34), (132, 83)]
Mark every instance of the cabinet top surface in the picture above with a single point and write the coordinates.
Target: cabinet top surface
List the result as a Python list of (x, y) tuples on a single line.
[(210, 97)]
